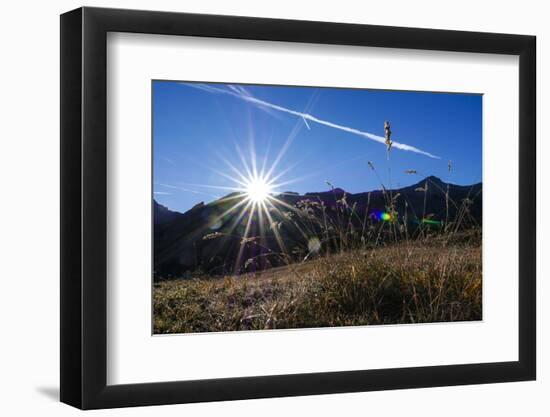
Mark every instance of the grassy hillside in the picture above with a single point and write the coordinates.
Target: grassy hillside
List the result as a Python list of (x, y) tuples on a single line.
[(411, 282)]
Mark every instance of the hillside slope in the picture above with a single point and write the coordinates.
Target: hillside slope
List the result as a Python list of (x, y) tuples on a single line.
[(208, 237)]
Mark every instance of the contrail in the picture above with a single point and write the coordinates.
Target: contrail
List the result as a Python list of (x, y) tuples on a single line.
[(306, 123), (311, 118)]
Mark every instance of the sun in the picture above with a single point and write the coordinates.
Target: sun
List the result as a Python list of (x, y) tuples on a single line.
[(258, 190)]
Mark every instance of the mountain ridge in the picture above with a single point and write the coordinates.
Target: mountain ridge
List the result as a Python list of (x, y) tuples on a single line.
[(180, 246), (431, 179)]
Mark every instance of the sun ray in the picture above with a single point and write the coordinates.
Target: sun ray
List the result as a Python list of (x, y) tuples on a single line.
[(264, 163), (227, 212), (244, 239), (292, 135), (242, 177), (290, 138), (217, 187), (243, 161), (209, 224), (276, 233), (280, 213), (251, 146), (186, 190), (228, 233), (236, 221), (241, 180), (278, 185), (286, 205), (261, 224), (285, 171)]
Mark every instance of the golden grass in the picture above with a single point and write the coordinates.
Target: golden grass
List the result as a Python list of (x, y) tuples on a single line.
[(415, 282)]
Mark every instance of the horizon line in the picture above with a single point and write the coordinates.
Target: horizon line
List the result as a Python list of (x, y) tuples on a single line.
[(289, 192)]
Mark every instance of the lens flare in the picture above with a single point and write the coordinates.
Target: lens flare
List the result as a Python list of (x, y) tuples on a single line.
[(385, 216), (429, 221), (382, 216)]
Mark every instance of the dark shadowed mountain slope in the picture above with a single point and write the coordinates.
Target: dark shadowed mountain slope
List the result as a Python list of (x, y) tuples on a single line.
[(209, 237), (162, 214)]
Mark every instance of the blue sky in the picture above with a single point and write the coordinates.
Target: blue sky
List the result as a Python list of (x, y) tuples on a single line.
[(199, 130)]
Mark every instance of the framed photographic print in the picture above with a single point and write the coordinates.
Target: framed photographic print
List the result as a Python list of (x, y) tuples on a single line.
[(257, 208)]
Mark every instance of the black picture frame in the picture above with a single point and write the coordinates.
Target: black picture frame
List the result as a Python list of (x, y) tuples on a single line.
[(84, 207)]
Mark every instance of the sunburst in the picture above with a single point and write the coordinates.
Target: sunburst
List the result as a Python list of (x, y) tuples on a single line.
[(255, 190), (258, 190)]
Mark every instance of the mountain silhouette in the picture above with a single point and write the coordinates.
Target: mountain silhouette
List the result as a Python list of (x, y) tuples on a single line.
[(209, 237)]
